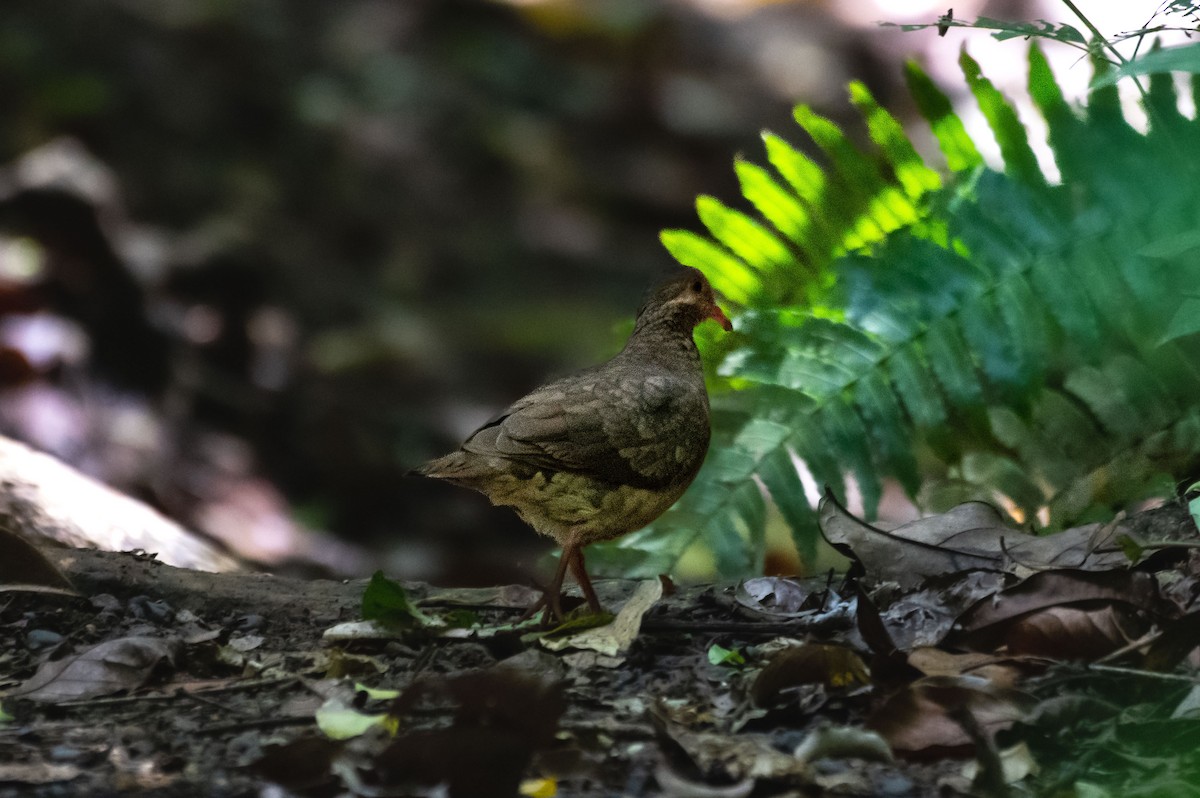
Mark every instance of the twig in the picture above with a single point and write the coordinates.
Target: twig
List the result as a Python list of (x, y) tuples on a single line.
[(259, 723), (1096, 32), (1145, 639), (177, 693), (659, 625), (989, 779), (1154, 675)]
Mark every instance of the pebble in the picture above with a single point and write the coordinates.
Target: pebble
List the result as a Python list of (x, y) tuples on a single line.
[(248, 622), (895, 784), (147, 609), (106, 602), (38, 639), (64, 753)]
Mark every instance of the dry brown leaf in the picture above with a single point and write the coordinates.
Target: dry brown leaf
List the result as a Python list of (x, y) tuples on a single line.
[(987, 624), (1000, 671), (122, 664), (919, 720), (1074, 633)]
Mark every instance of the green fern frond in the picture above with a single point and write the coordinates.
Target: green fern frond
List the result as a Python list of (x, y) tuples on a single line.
[(996, 336), (956, 145)]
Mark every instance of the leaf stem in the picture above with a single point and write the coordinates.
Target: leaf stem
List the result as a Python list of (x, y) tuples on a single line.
[(1095, 31)]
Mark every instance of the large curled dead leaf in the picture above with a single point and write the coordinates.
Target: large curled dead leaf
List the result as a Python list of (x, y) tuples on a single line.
[(122, 664), (1065, 614), (925, 718), (970, 536)]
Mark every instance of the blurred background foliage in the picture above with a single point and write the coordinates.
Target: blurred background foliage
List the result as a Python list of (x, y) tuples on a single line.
[(259, 258)]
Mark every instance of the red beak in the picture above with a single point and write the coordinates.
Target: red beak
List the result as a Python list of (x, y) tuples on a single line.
[(719, 317)]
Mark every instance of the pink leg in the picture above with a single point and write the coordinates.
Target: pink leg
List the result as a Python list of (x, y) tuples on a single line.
[(554, 592), (581, 576)]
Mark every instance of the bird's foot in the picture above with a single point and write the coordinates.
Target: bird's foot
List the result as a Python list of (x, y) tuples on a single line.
[(553, 615)]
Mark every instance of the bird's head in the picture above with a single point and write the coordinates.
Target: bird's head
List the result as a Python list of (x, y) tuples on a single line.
[(684, 300)]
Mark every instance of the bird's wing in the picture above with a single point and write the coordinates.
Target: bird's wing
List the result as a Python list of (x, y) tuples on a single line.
[(647, 432)]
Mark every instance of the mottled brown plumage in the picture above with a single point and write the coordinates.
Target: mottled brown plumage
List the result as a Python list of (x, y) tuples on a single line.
[(604, 452)]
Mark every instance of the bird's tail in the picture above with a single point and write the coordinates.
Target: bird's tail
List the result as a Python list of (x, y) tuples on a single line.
[(455, 467)]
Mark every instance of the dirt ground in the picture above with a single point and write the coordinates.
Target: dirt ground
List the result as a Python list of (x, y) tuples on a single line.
[(229, 685)]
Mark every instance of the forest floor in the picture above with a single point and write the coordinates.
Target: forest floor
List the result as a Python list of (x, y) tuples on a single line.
[(162, 681)]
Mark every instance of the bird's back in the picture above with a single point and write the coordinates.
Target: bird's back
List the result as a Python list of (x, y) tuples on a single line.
[(604, 451)]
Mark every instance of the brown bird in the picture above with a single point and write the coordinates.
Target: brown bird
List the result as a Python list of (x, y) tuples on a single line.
[(604, 452)]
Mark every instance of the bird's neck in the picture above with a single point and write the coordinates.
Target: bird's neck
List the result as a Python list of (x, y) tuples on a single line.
[(667, 342)]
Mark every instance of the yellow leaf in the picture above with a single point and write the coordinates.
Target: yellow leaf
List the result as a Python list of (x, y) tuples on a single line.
[(539, 788)]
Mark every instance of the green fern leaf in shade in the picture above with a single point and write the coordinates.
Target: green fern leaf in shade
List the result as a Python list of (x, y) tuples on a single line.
[(781, 478), (914, 383), (887, 430), (985, 335), (1004, 477), (952, 363), (848, 437)]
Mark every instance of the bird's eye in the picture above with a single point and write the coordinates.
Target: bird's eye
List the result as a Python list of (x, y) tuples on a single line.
[(696, 286)]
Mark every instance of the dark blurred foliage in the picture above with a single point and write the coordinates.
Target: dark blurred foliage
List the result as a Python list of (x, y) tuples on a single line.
[(287, 250)]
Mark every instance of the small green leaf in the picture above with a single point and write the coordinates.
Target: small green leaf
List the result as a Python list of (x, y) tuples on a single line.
[(387, 602), (577, 620), (1004, 29), (1132, 549), (344, 723), (376, 693), (719, 655)]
